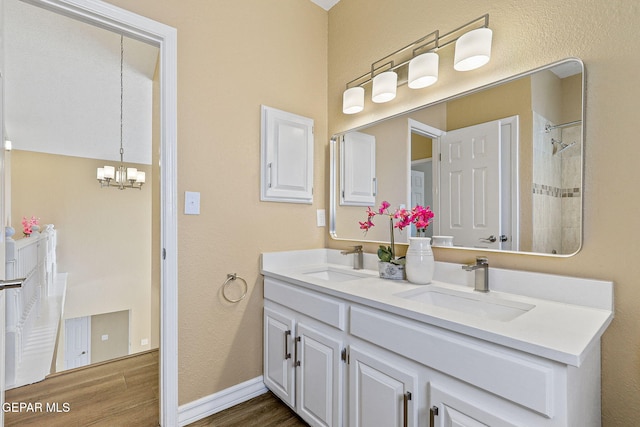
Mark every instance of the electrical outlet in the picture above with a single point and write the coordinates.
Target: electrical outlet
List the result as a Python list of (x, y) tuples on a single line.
[(105, 337)]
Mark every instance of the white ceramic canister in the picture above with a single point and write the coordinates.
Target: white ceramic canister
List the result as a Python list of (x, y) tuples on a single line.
[(420, 262)]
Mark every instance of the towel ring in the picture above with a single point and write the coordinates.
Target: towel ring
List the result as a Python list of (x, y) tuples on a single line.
[(230, 279)]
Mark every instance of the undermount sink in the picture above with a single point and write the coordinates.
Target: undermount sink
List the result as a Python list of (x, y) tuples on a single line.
[(487, 306), (330, 274)]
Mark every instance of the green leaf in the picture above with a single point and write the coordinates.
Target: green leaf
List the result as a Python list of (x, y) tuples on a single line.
[(384, 253)]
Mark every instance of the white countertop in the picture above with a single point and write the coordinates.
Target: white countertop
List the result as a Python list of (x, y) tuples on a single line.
[(569, 317)]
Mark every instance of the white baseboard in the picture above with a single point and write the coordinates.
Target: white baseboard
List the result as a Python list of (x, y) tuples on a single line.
[(216, 402)]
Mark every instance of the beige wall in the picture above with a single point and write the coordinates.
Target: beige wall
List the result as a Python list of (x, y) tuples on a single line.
[(104, 235), (232, 57), (109, 336), (236, 56), (525, 37)]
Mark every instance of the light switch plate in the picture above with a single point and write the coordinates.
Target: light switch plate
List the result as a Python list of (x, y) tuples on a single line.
[(191, 203), (321, 218), (105, 337)]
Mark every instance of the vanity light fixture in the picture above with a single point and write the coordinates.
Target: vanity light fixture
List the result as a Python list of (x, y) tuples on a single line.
[(384, 87), (423, 70), (7, 145), (120, 176), (472, 50), (353, 100)]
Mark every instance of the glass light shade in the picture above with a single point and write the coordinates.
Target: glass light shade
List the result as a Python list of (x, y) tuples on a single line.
[(7, 145), (353, 100), (423, 70), (473, 49), (140, 177), (100, 174), (109, 172), (384, 87), (132, 174)]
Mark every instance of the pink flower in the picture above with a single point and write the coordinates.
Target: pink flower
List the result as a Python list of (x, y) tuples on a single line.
[(27, 224), (383, 207), (366, 225)]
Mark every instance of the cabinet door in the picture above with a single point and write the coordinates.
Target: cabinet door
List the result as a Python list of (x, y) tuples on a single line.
[(449, 410), (318, 377), (358, 169), (379, 393), (286, 157), (278, 362)]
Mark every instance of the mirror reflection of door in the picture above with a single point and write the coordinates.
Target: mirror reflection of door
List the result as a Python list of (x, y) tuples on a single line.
[(62, 111), (421, 175)]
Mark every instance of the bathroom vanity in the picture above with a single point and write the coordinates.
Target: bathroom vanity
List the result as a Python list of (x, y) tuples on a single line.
[(343, 347)]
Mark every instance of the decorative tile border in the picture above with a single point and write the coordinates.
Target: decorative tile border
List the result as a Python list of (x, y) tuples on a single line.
[(548, 190)]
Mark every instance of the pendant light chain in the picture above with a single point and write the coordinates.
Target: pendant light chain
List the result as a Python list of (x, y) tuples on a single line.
[(121, 93)]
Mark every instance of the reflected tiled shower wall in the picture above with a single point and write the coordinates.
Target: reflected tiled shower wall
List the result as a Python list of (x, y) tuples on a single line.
[(556, 188)]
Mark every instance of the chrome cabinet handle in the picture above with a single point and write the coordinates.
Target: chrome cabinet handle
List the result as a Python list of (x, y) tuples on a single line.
[(433, 412), (11, 283), (406, 399), (375, 187), (297, 362), (287, 353)]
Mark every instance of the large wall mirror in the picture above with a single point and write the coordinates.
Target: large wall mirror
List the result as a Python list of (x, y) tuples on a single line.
[(501, 166)]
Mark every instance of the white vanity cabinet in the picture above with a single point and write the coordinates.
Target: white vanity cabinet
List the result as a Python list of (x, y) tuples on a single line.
[(415, 358), (303, 352)]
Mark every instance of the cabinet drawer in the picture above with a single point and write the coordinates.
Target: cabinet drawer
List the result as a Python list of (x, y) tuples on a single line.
[(325, 309), (498, 370)]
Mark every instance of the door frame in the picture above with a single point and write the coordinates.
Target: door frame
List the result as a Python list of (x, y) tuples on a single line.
[(87, 337), (414, 126), (121, 21)]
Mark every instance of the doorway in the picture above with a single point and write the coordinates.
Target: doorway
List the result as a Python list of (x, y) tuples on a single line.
[(164, 37)]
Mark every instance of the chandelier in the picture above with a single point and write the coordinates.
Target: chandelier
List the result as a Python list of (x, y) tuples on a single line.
[(121, 176)]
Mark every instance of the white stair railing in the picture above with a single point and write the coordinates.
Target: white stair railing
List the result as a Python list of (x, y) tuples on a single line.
[(30, 258)]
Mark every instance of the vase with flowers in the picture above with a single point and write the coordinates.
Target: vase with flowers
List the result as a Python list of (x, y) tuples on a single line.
[(390, 266), (29, 225)]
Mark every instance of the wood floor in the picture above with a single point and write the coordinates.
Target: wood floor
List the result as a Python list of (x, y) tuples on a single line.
[(125, 393), (262, 411)]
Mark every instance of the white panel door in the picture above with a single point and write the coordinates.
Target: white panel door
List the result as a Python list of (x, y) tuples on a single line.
[(77, 339), (319, 378), (470, 182), (358, 169), (417, 188), (379, 393), (287, 157), (279, 374)]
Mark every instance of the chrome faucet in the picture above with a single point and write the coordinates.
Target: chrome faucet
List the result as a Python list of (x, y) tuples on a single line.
[(481, 267), (357, 256)]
